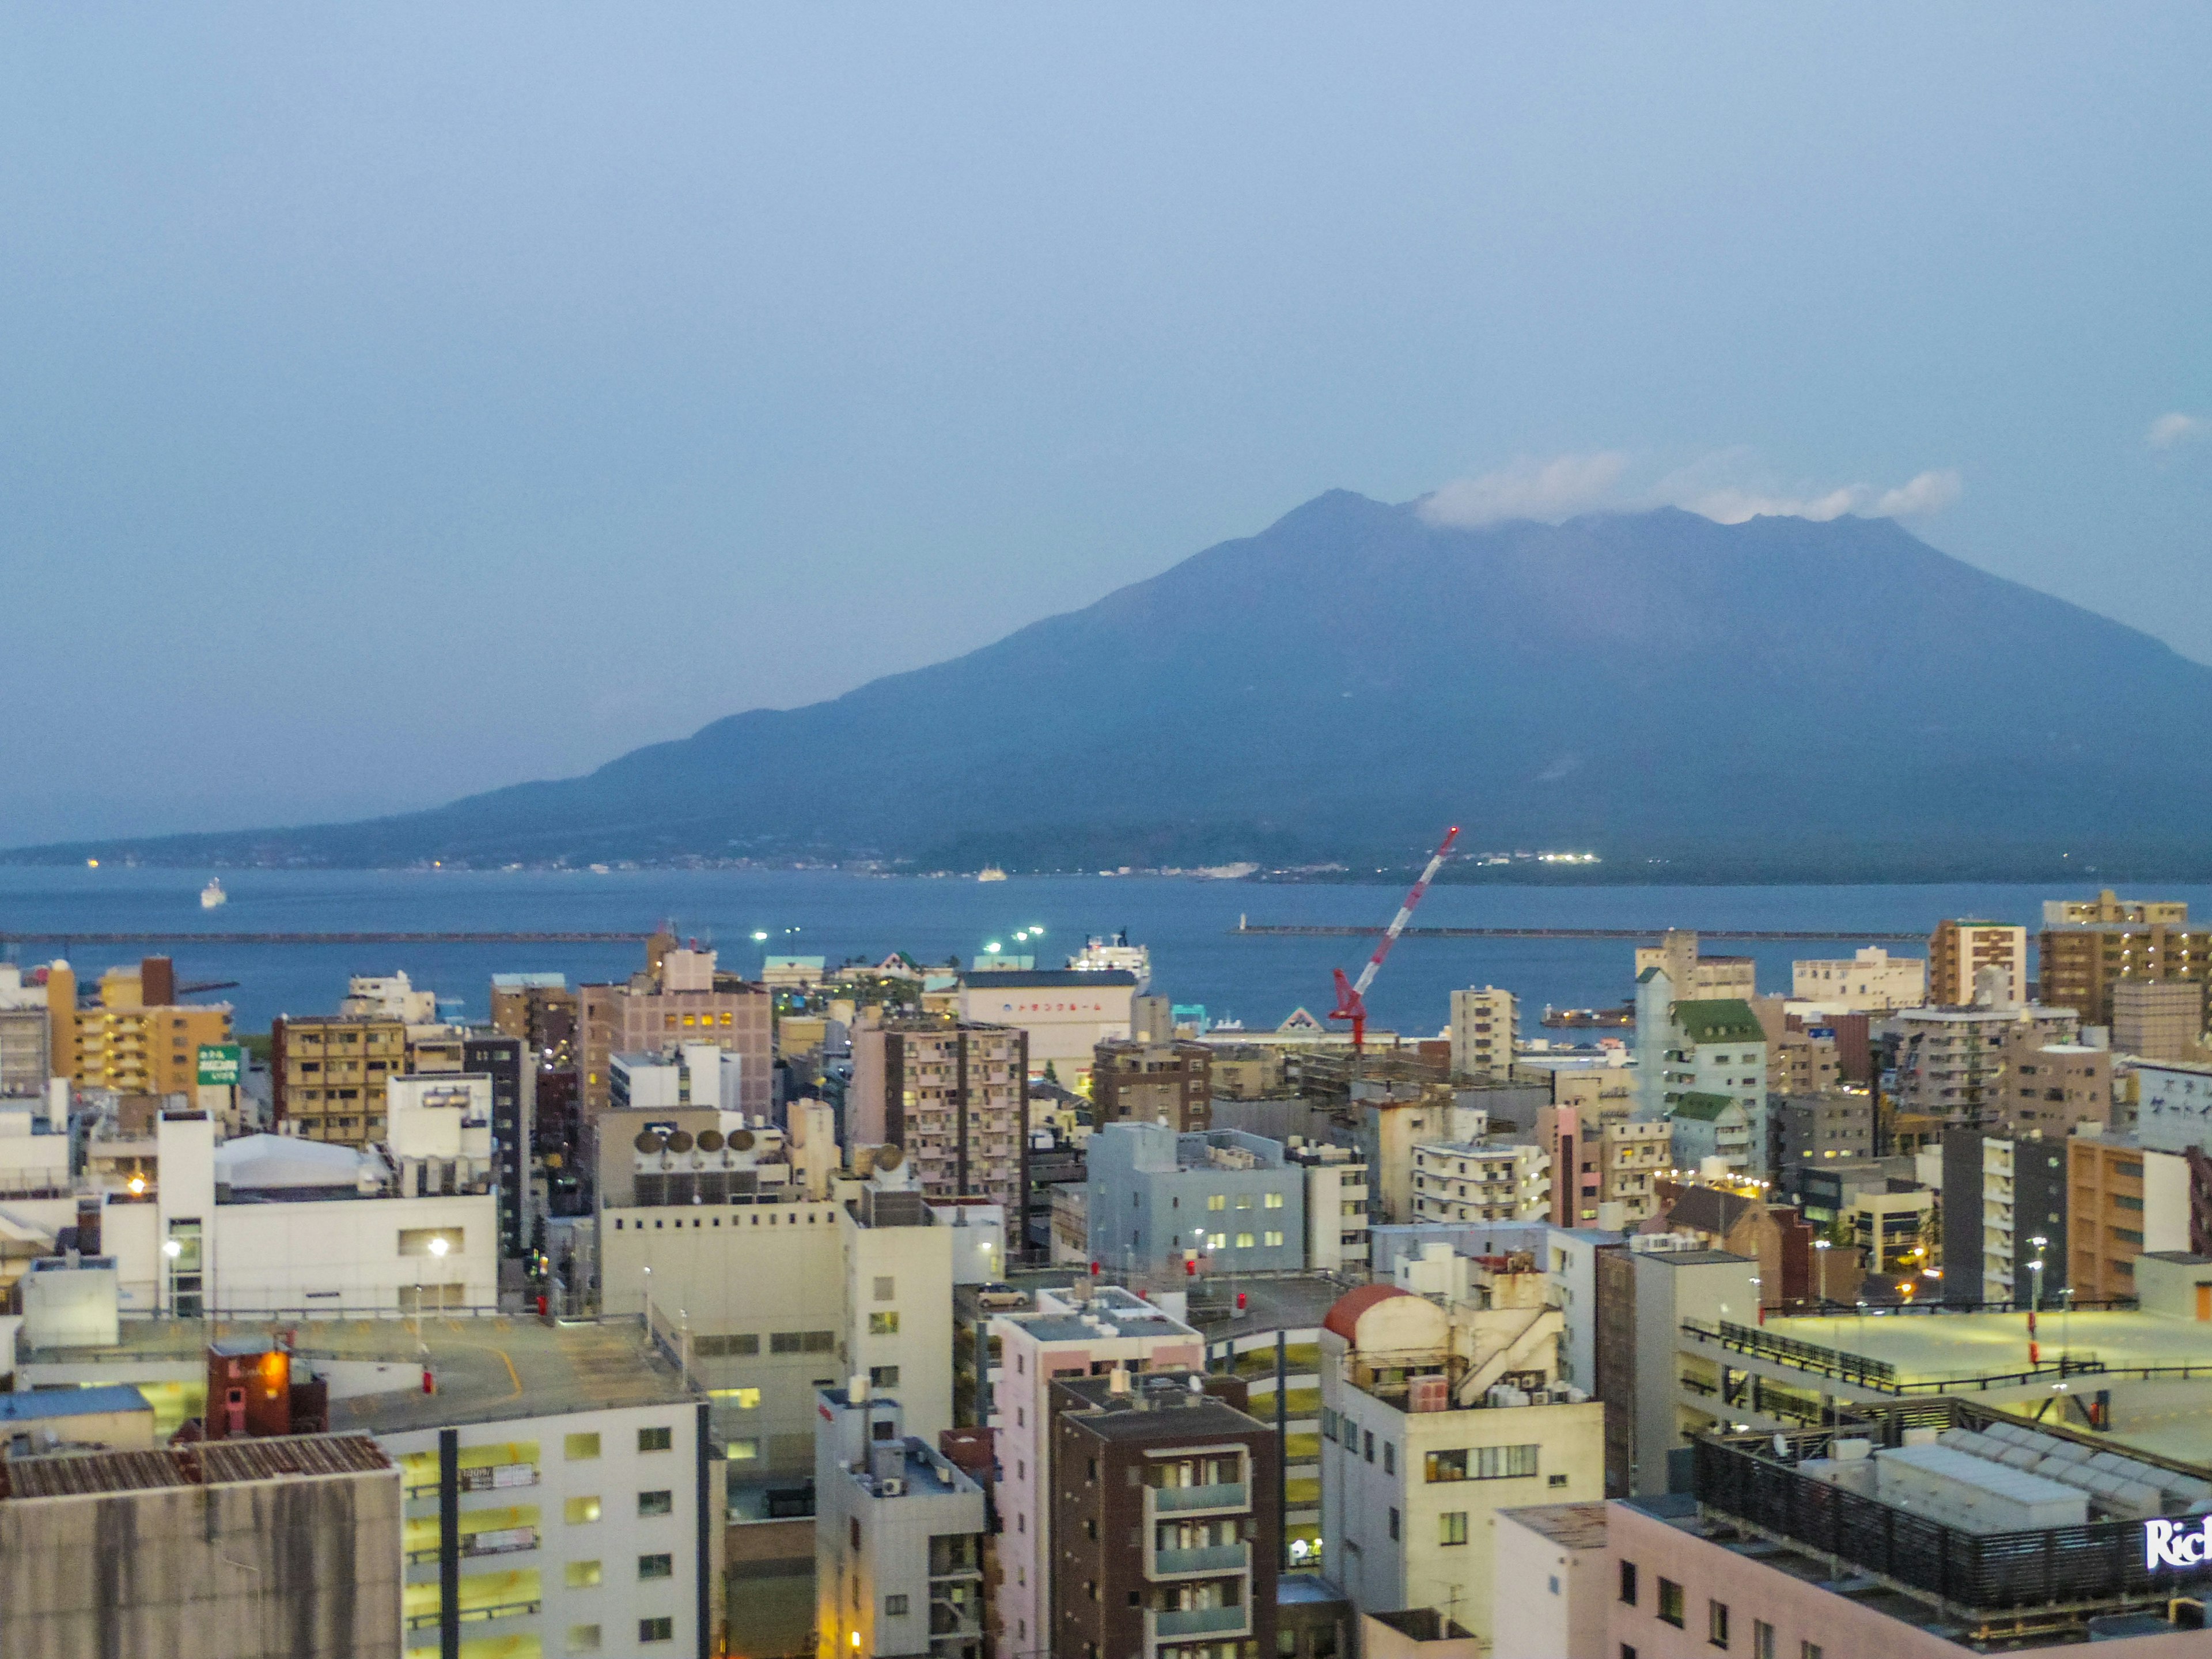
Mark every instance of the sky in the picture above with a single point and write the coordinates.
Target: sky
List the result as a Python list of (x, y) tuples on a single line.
[(403, 401)]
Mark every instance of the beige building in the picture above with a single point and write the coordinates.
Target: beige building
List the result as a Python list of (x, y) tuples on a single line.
[(1872, 981), (2123, 1200), (1433, 1419), (2085, 952), (1951, 1060), (1696, 977), (954, 1096), (679, 998), (140, 1040), (1461, 1183), (2048, 1088), (2110, 907), (1483, 1029), (2159, 1018), (327, 1074), (1959, 949), (1632, 1154)]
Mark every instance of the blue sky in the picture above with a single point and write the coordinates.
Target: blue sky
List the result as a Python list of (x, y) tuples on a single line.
[(402, 401)]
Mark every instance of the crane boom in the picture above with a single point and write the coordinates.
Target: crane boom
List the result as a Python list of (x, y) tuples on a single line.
[(1351, 999)]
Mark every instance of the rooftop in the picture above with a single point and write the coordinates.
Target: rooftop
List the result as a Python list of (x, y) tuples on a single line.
[(42, 1404), (1571, 1526), (1149, 1412), (223, 1463), (1018, 979), (1718, 1019), (486, 1369), (1123, 1315)]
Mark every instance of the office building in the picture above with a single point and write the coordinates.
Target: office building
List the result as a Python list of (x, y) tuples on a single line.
[(1822, 1128), (1872, 981), (1483, 1033), (2004, 1207), (1657, 1396), (2173, 1106), (510, 1069), (1433, 1419), (1222, 1202), (953, 1097), (1464, 1181), (1078, 1332), (265, 1549), (2087, 950), (1165, 1507), (1154, 1082), (1064, 1014), (2049, 1087), (679, 998), (774, 1296), (899, 1534), (2159, 1018), (1959, 949), (271, 1223)]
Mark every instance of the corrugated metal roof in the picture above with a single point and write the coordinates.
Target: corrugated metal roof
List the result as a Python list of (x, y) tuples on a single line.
[(231, 1463)]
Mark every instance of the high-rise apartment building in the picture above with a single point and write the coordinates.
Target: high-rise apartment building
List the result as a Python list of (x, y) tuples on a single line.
[(327, 1072), (1483, 1030), (1078, 1332), (2085, 951), (680, 998), (2004, 1210), (140, 1040), (513, 1071), (1164, 1505), (1464, 1181), (1960, 949), (953, 1097), (1951, 1061), (1701, 1046), (26, 1049), (2047, 1088), (542, 1011)]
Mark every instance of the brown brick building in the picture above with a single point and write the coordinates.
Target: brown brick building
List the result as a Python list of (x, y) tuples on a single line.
[(2080, 963), (1165, 1520), (955, 1097), (680, 998), (1149, 1081)]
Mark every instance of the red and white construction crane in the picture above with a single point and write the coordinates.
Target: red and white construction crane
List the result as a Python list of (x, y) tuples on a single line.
[(1351, 999)]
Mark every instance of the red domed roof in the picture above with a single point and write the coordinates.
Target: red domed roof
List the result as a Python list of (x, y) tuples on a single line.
[(1345, 1313)]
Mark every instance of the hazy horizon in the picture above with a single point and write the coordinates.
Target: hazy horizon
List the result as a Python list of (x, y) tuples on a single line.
[(406, 404)]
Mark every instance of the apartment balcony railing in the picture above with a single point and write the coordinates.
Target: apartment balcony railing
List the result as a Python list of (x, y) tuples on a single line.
[(1185, 1500), (1176, 1623), (1192, 1563)]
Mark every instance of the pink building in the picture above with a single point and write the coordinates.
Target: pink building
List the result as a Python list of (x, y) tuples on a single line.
[(1077, 1332)]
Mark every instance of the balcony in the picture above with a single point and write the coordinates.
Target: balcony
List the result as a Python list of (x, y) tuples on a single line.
[(1177, 1623), (1192, 1563), (1228, 1495)]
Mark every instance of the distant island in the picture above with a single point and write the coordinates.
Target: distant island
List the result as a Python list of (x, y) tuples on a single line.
[(1646, 697)]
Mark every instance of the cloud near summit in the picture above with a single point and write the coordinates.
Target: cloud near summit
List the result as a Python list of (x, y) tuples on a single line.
[(1565, 485)]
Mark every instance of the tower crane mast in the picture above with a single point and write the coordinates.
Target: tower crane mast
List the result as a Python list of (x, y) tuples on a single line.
[(1351, 998)]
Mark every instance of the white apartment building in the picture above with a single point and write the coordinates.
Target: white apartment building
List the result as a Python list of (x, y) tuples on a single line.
[(898, 1537), (1475, 1181), (1434, 1418), (689, 1074), (1872, 981), (1078, 1332), (1484, 1026)]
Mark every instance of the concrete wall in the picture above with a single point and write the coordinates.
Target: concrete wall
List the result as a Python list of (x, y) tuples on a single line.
[(284, 1569), (1555, 1606)]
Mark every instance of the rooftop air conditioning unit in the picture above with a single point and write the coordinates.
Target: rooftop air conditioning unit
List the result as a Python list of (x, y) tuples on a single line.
[(893, 1485)]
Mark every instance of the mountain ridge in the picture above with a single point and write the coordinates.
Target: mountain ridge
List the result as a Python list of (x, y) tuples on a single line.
[(1678, 694)]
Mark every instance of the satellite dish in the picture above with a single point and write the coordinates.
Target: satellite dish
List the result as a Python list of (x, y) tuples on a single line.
[(710, 1140), (648, 1141), (889, 1158), (741, 1140), (680, 1142)]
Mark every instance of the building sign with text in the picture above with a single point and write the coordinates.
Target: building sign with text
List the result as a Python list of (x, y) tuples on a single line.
[(219, 1065)]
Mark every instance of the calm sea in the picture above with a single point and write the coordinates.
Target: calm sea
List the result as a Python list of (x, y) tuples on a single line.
[(1187, 923)]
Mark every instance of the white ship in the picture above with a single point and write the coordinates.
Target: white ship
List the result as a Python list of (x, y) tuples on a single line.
[(1112, 955), (212, 896), (990, 872)]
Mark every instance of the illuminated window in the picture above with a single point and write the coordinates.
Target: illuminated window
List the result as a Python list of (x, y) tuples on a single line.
[(581, 1511), (883, 1324), (580, 1446), (583, 1574)]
